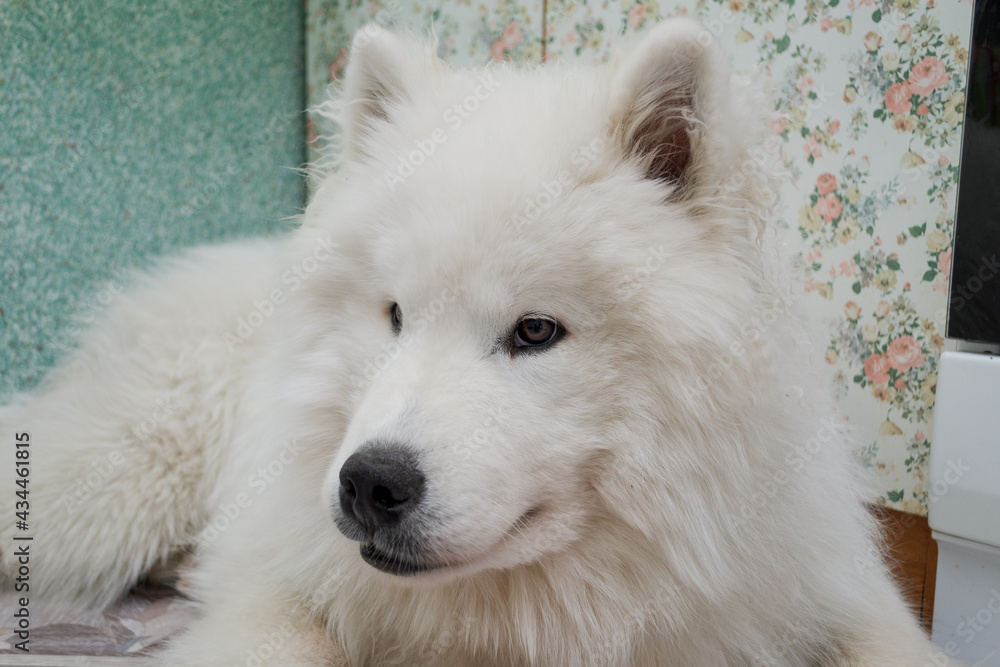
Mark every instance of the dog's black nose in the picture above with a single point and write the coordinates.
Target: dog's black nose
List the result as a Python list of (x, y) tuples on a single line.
[(378, 485)]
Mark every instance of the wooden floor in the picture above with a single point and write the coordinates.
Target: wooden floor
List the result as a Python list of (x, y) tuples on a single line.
[(914, 559)]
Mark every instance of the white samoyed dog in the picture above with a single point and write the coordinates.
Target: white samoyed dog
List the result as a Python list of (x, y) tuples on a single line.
[(522, 388)]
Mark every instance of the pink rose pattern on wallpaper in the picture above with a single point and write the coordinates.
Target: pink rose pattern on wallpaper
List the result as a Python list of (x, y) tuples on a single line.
[(866, 132)]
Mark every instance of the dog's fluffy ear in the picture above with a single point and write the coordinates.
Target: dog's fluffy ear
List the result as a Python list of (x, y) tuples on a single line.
[(385, 70), (668, 97)]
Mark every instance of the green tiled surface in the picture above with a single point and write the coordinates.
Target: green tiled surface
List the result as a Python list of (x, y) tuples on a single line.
[(128, 131)]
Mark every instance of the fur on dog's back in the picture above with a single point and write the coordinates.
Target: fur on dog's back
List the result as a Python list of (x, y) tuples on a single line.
[(665, 485), (121, 470)]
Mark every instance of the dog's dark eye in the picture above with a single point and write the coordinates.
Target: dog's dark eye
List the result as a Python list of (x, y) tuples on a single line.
[(535, 332), (396, 318)]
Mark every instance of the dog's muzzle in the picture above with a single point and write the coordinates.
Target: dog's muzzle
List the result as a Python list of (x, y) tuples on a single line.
[(381, 488)]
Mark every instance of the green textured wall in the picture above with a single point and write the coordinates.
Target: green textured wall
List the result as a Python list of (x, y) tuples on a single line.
[(128, 131)]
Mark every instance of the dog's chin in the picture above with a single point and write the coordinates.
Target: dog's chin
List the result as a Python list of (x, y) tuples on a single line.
[(503, 553), (394, 564)]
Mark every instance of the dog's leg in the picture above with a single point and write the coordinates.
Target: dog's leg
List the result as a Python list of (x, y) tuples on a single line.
[(886, 634), (103, 507), (257, 624), (129, 434)]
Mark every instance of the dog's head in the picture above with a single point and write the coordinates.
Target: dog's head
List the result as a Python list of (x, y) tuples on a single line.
[(533, 273)]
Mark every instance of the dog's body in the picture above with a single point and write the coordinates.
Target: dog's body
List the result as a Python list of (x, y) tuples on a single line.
[(529, 350)]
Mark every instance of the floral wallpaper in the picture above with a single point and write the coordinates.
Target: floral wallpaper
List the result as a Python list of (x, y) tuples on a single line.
[(468, 34), (870, 102)]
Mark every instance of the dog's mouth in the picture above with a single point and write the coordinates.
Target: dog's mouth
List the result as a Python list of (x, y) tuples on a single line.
[(392, 563)]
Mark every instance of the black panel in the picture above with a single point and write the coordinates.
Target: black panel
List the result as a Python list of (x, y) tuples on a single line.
[(974, 308)]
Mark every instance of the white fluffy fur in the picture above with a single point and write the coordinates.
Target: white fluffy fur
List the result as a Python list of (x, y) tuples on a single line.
[(698, 504)]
